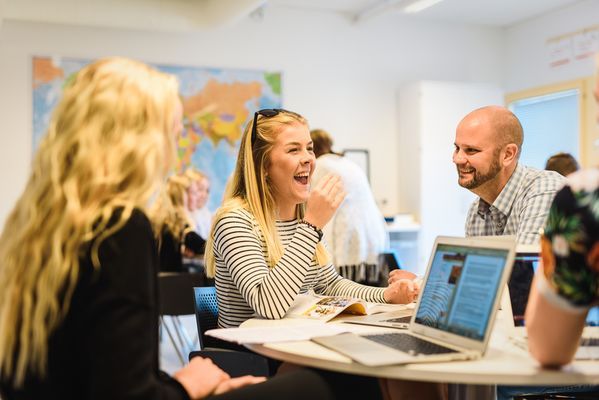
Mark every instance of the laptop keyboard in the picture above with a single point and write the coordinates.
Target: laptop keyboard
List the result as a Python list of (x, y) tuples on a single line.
[(401, 320), (409, 344)]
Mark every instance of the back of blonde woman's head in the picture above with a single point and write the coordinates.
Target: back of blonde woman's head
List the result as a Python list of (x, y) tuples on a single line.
[(170, 210), (108, 147), (250, 188)]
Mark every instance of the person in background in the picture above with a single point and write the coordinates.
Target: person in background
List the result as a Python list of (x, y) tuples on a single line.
[(564, 288), (200, 213), (79, 263), (356, 233), (174, 225), (266, 242), (78, 290), (513, 199), (562, 163)]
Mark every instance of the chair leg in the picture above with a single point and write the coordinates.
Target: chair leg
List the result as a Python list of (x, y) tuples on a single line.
[(182, 333), (174, 343)]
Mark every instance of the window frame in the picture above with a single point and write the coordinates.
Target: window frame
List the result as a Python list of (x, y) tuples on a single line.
[(588, 135)]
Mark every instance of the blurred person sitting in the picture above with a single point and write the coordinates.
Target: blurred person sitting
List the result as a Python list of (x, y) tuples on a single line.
[(174, 227), (562, 163), (78, 260), (198, 194), (356, 234)]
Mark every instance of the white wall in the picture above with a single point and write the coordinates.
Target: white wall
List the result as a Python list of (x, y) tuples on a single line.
[(526, 62), (429, 111), (341, 76)]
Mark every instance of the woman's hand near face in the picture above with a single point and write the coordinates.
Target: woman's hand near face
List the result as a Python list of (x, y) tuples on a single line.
[(403, 291), (324, 200)]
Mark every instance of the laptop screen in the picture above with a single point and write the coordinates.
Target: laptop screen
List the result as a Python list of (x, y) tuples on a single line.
[(525, 266), (460, 289)]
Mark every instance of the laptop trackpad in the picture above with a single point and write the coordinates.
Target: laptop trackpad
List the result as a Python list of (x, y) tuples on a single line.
[(363, 350)]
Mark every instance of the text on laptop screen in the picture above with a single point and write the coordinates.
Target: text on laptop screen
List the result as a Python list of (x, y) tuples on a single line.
[(460, 290), (525, 266)]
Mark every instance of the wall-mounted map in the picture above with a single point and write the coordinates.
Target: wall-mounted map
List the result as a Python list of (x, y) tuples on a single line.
[(217, 104)]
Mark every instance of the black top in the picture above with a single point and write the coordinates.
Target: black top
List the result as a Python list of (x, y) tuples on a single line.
[(171, 259), (107, 345)]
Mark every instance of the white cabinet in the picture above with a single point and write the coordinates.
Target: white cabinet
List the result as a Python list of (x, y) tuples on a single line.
[(428, 113), (404, 240)]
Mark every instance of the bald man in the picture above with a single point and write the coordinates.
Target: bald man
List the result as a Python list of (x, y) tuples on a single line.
[(513, 199)]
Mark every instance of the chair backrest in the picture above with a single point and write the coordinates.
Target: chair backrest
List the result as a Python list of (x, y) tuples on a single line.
[(389, 260), (206, 310), (175, 291)]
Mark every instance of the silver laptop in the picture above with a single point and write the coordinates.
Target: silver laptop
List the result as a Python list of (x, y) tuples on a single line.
[(455, 312), (515, 299), (399, 319)]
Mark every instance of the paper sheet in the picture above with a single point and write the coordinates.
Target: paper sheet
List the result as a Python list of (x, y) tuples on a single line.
[(273, 334)]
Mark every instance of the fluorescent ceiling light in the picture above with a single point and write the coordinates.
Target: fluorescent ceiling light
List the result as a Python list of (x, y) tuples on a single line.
[(419, 5)]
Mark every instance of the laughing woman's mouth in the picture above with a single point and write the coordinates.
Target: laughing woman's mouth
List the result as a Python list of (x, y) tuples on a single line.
[(302, 178)]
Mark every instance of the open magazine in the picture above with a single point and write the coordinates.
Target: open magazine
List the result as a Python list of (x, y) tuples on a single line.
[(325, 308)]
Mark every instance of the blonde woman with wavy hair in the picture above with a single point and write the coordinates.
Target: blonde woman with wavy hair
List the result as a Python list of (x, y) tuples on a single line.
[(265, 247), (174, 227), (78, 261)]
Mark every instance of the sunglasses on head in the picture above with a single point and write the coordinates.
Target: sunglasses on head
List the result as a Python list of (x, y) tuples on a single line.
[(268, 113)]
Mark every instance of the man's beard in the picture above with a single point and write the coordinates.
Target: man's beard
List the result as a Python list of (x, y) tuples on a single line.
[(478, 178)]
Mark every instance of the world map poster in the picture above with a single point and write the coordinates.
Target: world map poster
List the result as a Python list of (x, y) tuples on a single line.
[(217, 104)]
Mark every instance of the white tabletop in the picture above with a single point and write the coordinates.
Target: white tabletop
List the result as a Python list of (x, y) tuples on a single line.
[(504, 363)]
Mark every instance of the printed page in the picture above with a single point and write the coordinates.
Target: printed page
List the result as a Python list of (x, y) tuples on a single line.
[(324, 308), (328, 308), (275, 334)]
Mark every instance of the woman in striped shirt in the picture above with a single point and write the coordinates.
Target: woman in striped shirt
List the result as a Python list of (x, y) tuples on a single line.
[(265, 247)]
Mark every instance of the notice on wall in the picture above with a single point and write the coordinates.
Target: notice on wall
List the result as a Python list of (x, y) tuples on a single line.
[(573, 47)]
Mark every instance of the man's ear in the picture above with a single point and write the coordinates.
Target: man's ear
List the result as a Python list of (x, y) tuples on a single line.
[(510, 153)]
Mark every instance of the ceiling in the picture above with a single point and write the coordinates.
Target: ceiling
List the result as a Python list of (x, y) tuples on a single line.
[(498, 13), (185, 15)]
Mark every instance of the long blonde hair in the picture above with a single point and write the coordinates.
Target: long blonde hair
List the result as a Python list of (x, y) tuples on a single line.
[(249, 189), (109, 145), (170, 210)]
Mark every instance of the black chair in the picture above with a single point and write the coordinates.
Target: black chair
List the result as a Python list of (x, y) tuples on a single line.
[(175, 291), (206, 311), (389, 260), (230, 357), (235, 363)]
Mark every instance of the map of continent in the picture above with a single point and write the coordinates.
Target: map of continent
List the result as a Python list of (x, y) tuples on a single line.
[(217, 104)]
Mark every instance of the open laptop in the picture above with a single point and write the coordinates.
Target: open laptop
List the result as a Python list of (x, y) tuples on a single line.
[(455, 311), (515, 299)]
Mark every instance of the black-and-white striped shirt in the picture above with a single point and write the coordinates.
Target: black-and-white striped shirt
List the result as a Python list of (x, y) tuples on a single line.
[(246, 287)]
